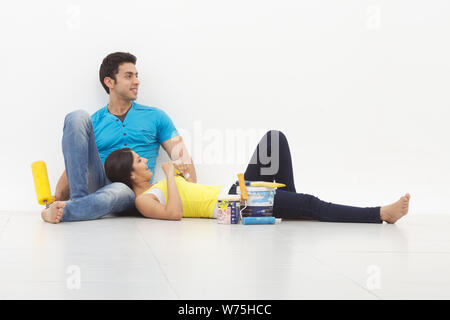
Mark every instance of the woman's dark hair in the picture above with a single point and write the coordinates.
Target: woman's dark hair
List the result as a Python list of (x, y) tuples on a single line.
[(118, 166), (110, 66)]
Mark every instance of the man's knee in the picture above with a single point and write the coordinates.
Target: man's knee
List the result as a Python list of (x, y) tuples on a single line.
[(122, 191), (78, 118)]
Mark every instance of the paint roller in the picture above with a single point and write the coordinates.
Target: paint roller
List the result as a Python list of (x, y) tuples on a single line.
[(244, 197), (264, 184), (41, 183), (178, 173)]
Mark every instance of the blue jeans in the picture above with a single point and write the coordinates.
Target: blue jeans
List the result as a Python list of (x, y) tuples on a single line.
[(92, 195)]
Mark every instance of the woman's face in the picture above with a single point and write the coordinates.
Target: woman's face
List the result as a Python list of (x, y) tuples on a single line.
[(140, 170)]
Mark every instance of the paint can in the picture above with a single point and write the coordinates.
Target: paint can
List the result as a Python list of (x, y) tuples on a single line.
[(229, 207), (259, 203)]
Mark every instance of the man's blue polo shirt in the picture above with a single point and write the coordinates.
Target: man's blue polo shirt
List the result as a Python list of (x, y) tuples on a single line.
[(143, 130)]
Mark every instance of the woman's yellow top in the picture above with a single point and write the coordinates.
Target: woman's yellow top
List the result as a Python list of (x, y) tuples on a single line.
[(198, 200)]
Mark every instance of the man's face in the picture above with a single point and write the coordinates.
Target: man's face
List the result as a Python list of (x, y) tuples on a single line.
[(127, 83)]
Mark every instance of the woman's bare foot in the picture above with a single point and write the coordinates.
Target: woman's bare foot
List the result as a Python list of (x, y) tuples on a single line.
[(395, 211), (54, 213)]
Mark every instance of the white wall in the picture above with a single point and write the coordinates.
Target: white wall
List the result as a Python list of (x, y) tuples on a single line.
[(360, 88)]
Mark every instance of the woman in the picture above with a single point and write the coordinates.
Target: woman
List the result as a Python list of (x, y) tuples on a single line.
[(174, 197)]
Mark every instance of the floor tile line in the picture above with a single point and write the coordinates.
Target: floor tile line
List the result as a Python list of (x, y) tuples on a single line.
[(4, 226), (159, 264), (346, 277)]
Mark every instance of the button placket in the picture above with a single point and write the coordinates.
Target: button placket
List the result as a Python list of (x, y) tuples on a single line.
[(124, 135)]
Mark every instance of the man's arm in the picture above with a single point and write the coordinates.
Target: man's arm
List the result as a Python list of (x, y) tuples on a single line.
[(177, 151)]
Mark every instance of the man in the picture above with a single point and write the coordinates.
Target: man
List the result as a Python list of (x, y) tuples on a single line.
[(83, 192)]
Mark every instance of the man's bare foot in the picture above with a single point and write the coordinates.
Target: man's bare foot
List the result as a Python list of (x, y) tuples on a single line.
[(395, 211), (54, 213)]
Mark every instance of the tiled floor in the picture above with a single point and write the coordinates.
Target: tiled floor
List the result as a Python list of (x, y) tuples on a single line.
[(138, 258)]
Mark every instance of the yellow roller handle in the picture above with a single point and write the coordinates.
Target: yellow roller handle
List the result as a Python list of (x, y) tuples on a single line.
[(244, 194), (41, 184), (186, 176), (267, 184)]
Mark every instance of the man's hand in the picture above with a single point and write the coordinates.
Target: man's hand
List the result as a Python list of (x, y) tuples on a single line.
[(182, 167), (178, 153)]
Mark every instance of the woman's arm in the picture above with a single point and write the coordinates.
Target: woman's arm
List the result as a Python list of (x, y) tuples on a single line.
[(172, 210)]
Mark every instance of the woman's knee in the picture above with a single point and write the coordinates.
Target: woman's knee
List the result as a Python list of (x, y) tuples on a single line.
[(274, 138), (276, 133), (275, 141)]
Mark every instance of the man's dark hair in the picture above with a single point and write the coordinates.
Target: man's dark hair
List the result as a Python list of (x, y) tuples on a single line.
[(118, 166), (110, 66)]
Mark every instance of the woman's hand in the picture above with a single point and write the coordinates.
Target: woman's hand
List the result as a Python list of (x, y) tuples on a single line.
[(181, 167), (168, 168)]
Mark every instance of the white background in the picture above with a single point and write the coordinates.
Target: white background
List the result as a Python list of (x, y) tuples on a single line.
[(360, 88)]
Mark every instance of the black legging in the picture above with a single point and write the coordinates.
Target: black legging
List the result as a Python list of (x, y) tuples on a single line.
[(269, 165)]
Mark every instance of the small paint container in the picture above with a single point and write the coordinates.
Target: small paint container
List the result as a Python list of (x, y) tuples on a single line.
[(229, 206)]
